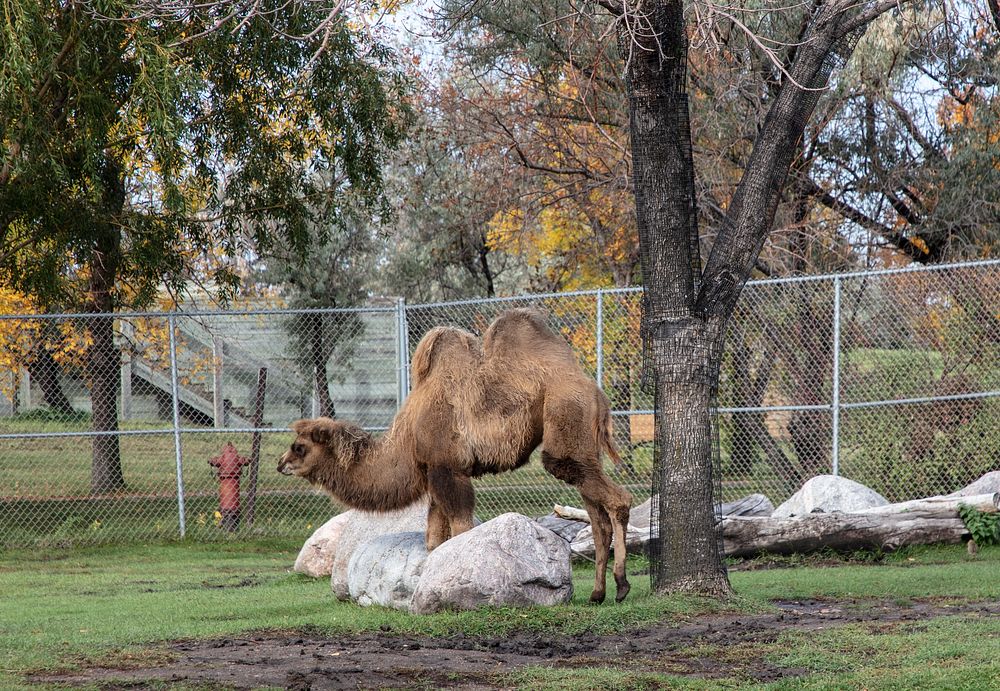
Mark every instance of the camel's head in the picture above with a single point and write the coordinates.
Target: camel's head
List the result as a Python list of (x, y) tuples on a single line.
[(320, 440)]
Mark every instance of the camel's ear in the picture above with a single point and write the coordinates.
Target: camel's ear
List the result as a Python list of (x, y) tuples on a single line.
[(320, 430), (420, 366)]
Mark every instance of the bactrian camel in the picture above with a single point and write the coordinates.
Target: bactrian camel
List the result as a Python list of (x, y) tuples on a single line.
[(477, 408)]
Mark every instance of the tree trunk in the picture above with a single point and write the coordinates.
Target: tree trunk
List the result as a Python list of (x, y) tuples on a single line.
[(686, 361), (681, 351), (103, 358), (750, 433), (685, 310), (319, 354), (44, 371)]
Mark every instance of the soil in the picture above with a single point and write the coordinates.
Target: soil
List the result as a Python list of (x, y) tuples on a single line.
[(387, 660)]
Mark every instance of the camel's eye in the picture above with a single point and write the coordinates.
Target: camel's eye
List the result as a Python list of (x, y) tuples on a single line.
[(298, 450)]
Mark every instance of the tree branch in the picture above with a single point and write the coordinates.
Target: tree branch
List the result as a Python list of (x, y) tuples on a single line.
[(866, 17), (894, 237)]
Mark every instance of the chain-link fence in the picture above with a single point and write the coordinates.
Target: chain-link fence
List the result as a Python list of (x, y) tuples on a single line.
[(109, 426)]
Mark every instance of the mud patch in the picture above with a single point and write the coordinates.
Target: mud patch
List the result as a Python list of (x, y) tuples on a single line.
[(385, 660)]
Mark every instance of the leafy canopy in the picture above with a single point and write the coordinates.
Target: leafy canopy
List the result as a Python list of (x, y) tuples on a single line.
[(178, 142)]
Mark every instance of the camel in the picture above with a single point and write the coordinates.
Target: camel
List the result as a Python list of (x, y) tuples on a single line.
[(476, 408)]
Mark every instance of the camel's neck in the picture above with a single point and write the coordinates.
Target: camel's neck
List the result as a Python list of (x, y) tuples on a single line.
[(379, 478)]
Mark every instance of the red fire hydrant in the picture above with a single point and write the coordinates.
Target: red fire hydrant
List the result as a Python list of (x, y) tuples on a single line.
[(230, 465)]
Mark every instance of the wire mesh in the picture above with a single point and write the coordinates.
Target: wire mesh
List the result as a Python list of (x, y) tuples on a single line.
[(919, 400)]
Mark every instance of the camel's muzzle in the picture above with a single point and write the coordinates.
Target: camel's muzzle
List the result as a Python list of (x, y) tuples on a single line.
[(283, 467)]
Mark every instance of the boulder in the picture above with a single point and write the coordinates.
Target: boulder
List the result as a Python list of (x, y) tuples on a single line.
[(316, 556), (364, 526), (509, 560), (829, 493), (987, 484), (385, 571)]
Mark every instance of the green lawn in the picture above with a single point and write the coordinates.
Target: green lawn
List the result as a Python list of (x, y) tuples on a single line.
[(113, 605)]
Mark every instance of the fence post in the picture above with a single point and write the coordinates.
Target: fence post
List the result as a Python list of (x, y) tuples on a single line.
[(127, 333), (24, 395), (600, 338), (218, 395), (314, 402), (175, 396), (402, 353), (836, 376)]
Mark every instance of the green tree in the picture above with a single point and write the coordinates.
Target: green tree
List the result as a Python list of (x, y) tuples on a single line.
[(134, 143), (337, 273)]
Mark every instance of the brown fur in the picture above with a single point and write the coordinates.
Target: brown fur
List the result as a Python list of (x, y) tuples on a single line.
[(478, 408)]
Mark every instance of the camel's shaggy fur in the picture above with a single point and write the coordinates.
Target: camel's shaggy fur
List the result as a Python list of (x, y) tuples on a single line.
[(477, 408)]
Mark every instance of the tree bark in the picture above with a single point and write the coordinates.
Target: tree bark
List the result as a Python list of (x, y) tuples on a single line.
[(686, 362), (44, 371)]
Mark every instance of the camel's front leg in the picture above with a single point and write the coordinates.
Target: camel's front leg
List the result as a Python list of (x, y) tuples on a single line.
[(438, 528), (453, 494)]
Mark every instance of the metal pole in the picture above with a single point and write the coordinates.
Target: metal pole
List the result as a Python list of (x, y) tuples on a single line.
[(176, 396), (126, 370), (258, 422), (403, 352), (218, 397), (836, 376), (600, 338)]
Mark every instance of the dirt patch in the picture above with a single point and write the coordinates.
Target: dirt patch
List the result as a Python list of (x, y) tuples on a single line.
[(386, 660)]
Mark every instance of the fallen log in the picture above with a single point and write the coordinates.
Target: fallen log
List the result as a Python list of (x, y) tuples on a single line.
[(889, 527), (746, 537), (571, 513)]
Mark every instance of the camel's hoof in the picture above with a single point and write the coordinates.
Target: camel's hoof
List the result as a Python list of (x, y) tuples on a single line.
[(622, 591), (596, 597)]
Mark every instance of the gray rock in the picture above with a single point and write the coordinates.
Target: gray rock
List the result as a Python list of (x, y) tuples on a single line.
[(563, 527), (510, 560), (364, 526), (987, 484), (829, 493), (316, 556), (385, 571), (750, 505)]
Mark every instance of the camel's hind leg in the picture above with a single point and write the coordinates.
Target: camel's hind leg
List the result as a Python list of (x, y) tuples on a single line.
[(455, 499), (614, 504), (608, 506), (600, 524)]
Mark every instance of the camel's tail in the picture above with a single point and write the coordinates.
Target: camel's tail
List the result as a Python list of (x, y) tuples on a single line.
[(605, 440)]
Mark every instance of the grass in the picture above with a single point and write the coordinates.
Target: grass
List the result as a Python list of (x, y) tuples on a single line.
[(114, 605)]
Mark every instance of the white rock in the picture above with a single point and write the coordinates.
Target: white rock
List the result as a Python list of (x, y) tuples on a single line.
[(385, 571), (987, 484), (829, 493), (510, 560), (364, 526), (316, 556)]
